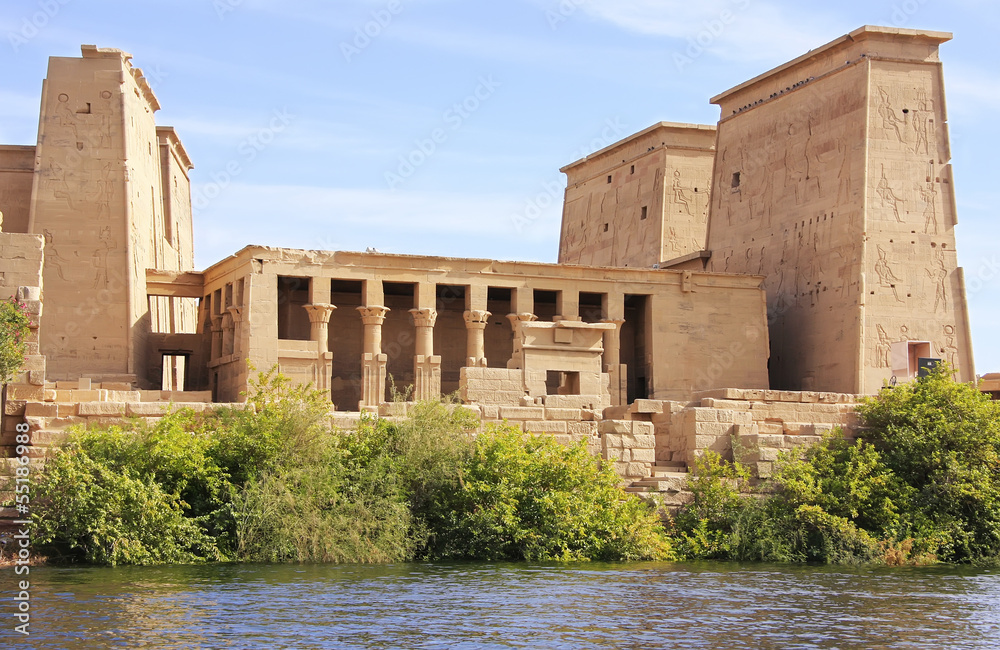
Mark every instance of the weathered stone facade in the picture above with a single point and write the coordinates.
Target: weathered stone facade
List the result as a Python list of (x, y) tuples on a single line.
[(804, 237)]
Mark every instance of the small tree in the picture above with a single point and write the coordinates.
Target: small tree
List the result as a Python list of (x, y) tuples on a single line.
[(14, 323), (942, 438)]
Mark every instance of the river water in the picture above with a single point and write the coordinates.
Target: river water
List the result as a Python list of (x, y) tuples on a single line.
[(710, 605)]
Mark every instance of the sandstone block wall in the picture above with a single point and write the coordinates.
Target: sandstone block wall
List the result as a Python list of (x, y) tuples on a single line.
[(641, 200)]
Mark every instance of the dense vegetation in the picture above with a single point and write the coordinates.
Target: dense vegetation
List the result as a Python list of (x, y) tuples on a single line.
[(922, 484), (275, 483), (14, 321)]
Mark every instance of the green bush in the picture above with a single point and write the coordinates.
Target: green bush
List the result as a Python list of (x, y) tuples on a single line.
[(14, 322), (942, 439), (91, 511), (526, 497)]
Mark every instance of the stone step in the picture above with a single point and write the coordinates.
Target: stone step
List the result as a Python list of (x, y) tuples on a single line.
[(668, 467)]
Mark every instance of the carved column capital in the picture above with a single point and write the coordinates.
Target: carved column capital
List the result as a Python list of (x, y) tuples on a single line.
[(476, 317), (618, 322), (523, 317), (235, 313), (320, 312), (217, 323), (374, 315), (424, 317)]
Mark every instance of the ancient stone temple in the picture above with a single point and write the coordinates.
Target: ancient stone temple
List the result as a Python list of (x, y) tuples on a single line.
[(833, 182), (742, 280)]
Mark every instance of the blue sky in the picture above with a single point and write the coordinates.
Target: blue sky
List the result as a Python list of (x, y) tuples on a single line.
[(315, 104)]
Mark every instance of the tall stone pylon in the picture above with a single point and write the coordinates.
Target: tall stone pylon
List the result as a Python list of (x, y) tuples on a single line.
[(832, 181), (111, 197)]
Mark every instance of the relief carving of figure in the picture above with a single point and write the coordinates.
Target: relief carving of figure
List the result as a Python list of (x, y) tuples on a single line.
[(100, 259), (929, 195), (886, 278), (889, 198), (52, 257), (883, 349), (939, 274), (923, 123), (796, 162), (890, 121), (679, 193)]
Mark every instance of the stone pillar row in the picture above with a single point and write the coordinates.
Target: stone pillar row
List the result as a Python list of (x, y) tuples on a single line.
[(427, 365)]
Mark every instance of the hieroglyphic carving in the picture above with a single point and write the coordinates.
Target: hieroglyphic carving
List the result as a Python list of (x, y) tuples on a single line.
[(939, 274), (949, 351), (886, 277)]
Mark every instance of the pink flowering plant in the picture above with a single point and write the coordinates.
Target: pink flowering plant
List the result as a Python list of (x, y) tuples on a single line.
[(14, 324)]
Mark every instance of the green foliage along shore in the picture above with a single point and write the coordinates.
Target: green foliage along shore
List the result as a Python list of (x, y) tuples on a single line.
[(276, 484), (920, 485)]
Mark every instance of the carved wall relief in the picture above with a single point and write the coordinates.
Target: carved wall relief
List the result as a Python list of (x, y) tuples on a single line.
[(929, 195), (949, 351), (883, 349), (52, 257), (891, 122), (888, 197), (939, 274), (886, 278)]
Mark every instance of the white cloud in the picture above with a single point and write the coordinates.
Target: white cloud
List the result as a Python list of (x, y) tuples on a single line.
[(730, 29)]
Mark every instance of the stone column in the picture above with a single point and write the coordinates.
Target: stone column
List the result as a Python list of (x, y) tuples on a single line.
[(373, 362), (475, 323), (236, 317), (319, 324), (319, 331), (567, 305), (517, 359), (228, 330), (216, 336), (612, 362), (426, 365)]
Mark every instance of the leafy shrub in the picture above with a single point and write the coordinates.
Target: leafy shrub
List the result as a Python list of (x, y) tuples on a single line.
[(14, 322), (526, 497), (942, 439), (92, 511)]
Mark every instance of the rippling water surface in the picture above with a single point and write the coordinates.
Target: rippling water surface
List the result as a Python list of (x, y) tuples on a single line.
[(513, 606)]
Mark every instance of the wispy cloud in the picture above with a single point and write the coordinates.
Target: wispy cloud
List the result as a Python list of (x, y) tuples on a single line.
[(740, 29)]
